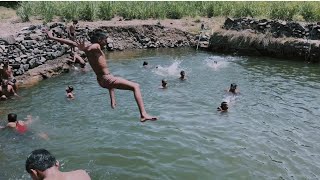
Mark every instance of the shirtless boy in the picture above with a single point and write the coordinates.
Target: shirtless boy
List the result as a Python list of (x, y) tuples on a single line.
[(7, 90), (41, 165), (72, 32), (69, 91), (98, 62), (7, 73), (76, 58), (182, 76)]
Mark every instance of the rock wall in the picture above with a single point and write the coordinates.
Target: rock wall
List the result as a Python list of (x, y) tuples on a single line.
[(30, 48), (267, 38), (276, 27)]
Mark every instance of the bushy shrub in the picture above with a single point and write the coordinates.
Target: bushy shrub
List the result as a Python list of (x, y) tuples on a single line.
[(105, 11), (24, 11)]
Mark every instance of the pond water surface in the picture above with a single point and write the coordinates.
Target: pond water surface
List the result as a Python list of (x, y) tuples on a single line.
[(271, 131)]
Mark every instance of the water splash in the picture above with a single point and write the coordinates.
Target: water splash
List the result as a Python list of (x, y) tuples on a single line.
[(216, 62), (172, 70)]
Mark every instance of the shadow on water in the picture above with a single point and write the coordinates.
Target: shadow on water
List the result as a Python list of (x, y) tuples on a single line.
[(270, 132)]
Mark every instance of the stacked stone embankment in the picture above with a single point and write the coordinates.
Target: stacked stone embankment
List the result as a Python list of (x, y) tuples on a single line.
[(277, 28), (288, 40), (30, 48)]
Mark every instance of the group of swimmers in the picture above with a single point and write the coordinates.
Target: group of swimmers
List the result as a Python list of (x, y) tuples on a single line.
[(164, 82), (40, 163)]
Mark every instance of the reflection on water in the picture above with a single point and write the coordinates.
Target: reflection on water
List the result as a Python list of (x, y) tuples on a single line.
[(270, 132)]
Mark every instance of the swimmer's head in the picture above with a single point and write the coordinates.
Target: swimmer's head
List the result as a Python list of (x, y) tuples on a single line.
[(12, 117), (224, 106), (145, 63), (83, 65), (38, 161), (69, 89), (182, 73), (164, 83), (215, 62), (233, 87), (99, 37)]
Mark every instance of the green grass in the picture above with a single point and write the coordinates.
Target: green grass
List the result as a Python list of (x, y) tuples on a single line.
[(94, 10)]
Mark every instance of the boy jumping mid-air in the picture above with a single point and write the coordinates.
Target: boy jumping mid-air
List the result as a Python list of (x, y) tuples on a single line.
[(98, 62)]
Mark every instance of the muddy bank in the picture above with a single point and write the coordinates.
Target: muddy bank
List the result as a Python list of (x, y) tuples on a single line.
[(287, 40)]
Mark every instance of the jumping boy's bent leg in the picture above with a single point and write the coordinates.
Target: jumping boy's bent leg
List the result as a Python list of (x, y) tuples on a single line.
[(124, 84)]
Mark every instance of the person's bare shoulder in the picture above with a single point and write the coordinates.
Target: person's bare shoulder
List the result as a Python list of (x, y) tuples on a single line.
[(79, 175), (94, 47)]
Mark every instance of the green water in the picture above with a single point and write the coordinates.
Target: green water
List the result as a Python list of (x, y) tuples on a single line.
[(270, 132)]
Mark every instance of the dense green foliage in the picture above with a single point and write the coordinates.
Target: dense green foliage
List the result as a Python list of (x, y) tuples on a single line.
[(91, 10)]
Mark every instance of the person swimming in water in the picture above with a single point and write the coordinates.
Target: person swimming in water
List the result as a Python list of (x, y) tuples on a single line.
[(233, 88), (182, 76), (164, 84), (42, 165), (98, 62), (145, 64), (69, 91), (76, 58), (223, 107), (19, 126)]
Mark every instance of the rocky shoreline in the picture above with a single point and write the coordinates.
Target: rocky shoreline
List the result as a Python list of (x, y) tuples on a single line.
[(279, 39), (34, 57)]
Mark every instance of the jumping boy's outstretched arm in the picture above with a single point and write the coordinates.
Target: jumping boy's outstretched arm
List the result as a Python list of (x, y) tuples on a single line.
[(64, 41)]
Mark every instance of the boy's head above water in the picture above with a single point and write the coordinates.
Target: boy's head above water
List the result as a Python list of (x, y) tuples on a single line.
[(12, 117), (223, 106), (38, 161), (233, 87), (164, 83), (145, 63)]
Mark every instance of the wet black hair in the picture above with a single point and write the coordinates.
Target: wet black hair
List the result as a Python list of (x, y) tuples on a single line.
[(96, 36), (233, 85), (40, 159), (69, 89), (164, 81), (182, 72), (145, 63), (12, 117), (224, 105), (83, 65)]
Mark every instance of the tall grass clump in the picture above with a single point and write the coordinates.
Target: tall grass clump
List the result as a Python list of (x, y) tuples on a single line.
[(245, 9), (174, 10), (24, 11), (47, 9), (283, 10), (90, 10), (310, 11), (68, 10), (87, 10), (105, 11)]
